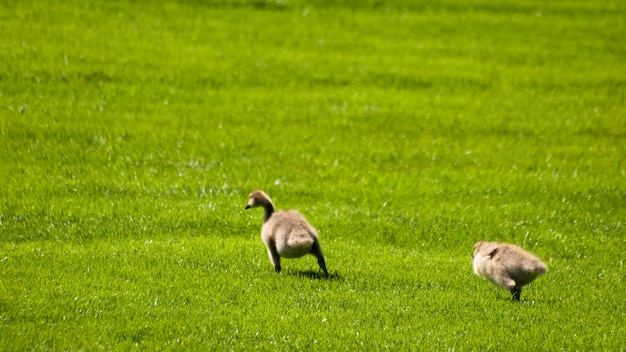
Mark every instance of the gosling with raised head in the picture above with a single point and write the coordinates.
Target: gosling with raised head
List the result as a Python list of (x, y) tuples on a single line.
[(286, 234), (507, 265)]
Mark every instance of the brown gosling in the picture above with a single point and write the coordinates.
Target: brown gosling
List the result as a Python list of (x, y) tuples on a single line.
[(286, 234), (507, 265)]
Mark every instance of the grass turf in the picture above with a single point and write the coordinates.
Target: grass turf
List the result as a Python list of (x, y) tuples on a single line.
[(131, 134)]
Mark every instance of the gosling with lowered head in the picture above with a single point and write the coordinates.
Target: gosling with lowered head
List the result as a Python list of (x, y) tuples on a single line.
[(286, 234), (507, 265)]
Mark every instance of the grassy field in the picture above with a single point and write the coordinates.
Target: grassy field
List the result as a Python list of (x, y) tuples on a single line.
[(132, 132)]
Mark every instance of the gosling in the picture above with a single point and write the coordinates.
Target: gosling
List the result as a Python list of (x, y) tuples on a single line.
[(286, 234), (507, 266)]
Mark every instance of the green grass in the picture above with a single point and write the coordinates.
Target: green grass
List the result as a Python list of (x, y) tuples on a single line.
[(132, 132)]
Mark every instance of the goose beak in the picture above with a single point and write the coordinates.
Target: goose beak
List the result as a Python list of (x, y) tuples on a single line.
[(248, 207)]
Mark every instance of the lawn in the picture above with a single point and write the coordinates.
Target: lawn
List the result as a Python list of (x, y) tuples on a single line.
[(132, 132)]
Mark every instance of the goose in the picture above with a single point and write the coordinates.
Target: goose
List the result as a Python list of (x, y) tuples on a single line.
[(507, 265), (286, 234)]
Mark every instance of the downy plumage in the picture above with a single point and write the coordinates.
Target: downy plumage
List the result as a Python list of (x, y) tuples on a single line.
[(506, 265), (286, 234)]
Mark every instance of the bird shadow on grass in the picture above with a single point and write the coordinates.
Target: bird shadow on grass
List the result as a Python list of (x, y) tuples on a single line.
[(314, 275)]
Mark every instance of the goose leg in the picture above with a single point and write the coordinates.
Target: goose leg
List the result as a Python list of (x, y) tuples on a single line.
[(317, 252), (274, 257), (516, 292), (322, 264)]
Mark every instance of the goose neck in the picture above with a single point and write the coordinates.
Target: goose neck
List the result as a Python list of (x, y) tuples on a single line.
[(269, 210)]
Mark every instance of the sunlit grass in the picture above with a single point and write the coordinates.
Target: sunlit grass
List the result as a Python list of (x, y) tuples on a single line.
[(131, 134)]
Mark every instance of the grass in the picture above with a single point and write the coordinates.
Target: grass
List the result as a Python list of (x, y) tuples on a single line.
[(131, 134)]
